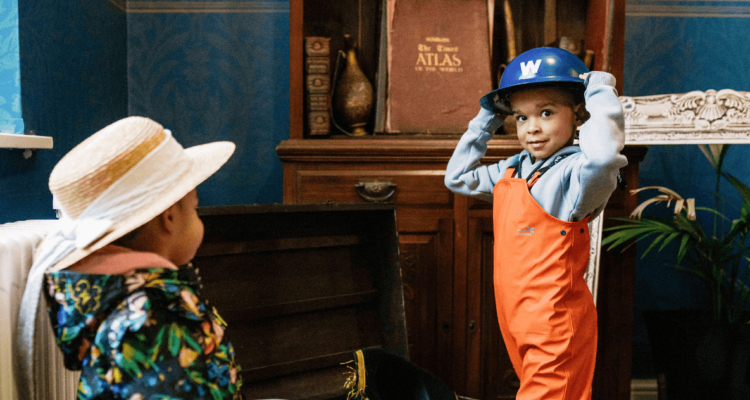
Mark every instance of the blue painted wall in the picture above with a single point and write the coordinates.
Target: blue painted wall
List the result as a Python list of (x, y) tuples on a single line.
[(676, 46), (207, 70)]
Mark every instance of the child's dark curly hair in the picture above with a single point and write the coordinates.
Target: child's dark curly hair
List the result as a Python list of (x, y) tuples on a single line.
[(573, 94)]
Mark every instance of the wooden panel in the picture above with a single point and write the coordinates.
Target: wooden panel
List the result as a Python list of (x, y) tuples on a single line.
[(296, 95), (324, 382), (489, 372), (460, 288), (426, 259), (476, 373), (302, 288), (412, 187), (386, 149), (605, 34), (276, 344)]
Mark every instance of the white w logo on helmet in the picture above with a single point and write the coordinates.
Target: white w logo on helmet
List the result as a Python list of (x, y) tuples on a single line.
[(528, 68)]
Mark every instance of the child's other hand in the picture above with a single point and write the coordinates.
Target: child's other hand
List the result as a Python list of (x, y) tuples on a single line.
[(583, 76), (488, 121)]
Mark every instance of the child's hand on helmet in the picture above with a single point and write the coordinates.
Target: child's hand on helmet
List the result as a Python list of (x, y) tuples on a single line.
[(583, 76), (503, 108)]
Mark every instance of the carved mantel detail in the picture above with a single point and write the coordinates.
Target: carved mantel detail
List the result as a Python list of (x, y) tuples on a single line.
[(695, 117)]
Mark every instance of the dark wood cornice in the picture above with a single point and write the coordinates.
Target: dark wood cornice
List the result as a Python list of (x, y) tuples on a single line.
[(389, 149)]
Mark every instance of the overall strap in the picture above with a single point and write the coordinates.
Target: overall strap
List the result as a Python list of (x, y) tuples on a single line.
[(556, 160), (537, 173), (515, 169), (532, 179)]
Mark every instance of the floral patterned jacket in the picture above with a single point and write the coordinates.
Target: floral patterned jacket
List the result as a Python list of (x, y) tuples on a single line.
[(147, 334)]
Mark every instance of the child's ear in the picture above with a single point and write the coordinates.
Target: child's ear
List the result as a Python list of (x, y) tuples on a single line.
[(166, 220), (580, 114)]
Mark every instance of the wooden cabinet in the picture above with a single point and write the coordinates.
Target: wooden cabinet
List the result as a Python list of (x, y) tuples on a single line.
[(446, 256), (446, 241)]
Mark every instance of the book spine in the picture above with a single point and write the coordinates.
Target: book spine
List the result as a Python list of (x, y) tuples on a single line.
[(318, 85)]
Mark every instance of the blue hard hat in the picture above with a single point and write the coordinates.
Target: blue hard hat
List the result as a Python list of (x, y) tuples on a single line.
[(543, 66)]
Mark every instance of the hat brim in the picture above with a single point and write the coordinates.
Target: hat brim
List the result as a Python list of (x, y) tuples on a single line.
[(206, 160), (488, 101)]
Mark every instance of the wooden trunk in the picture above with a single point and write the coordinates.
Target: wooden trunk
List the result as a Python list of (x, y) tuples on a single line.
[(302, 287)]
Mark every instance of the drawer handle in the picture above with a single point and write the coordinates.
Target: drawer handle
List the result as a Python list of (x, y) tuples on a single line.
[(377, 191)]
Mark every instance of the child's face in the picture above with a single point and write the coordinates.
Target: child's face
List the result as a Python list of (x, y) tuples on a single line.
[(188, 229), (545, 121)]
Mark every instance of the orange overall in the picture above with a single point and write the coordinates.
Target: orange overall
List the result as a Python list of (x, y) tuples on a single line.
[(546, 312)]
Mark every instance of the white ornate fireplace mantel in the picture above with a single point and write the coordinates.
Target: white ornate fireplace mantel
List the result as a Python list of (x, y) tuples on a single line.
[(710, 117)]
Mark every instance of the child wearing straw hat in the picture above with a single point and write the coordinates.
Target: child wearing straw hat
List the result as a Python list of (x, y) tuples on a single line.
[(123, 299)]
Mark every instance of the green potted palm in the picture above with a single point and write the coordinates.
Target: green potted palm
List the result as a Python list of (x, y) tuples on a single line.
[(703, 353)]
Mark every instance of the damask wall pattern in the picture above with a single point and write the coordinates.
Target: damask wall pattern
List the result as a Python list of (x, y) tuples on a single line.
[(216, 71), (688, 8), (196, 6), (674, 46), (207, 70)]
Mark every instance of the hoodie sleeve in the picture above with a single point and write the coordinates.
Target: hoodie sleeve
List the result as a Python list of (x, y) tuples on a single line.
[(601, 140), (465, 175)]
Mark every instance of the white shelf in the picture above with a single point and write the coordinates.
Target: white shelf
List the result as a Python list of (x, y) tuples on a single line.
[(13, 141)]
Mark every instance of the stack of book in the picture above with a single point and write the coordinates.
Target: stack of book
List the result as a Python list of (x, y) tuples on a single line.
[(318, 85)]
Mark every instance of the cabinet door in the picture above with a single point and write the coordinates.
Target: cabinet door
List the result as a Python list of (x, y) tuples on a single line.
[(489, 372), (426, 246)]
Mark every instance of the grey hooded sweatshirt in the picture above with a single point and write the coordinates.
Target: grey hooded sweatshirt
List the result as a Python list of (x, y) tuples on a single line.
[(579, 185)]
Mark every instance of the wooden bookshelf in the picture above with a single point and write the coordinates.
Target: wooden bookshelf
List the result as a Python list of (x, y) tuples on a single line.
[(446, 240)]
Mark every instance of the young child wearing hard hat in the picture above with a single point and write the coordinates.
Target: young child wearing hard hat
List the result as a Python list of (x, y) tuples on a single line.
[(543, 199)]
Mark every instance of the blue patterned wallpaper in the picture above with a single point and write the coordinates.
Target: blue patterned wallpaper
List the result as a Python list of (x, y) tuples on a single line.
[(675, 47), (208, 70), (216, 75), (10, 69)]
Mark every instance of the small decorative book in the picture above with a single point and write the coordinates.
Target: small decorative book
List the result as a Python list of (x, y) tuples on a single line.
[(318, 85)]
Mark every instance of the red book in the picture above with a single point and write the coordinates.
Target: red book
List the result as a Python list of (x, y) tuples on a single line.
[(438, 64)]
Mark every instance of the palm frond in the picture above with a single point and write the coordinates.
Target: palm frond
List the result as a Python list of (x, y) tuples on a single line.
[(671, 237), (662, 189), (682, 252), (690, 209), (741, 187), (712, 211), (669, 196), (714, 153), (722, 262)]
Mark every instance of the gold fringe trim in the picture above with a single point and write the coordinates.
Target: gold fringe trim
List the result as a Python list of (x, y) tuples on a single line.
[(356, 379)]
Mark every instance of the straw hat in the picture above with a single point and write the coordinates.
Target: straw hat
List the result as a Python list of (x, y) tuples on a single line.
[(122, 177)]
